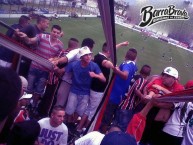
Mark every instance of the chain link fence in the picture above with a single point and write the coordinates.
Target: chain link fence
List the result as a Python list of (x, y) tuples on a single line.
[(38, 7)]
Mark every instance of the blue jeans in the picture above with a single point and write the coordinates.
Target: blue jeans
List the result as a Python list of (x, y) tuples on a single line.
[(108, 116), (122, 118), (37, 81)]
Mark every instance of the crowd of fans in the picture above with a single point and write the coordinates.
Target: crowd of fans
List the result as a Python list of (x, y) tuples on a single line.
[(132, 115)]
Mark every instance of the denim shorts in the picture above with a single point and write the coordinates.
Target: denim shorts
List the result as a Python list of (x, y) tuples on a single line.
[(37, 81), (94, 100), (122, 118), (76, 103), (110, 110)]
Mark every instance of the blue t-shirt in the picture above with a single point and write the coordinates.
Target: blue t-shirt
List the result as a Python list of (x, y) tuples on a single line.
[(120, 85), (81, 80)]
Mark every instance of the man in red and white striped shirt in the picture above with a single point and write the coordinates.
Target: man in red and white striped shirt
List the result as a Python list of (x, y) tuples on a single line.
[(49, 46), (132, 99)]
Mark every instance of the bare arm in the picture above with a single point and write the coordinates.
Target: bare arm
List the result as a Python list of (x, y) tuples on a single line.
[(31, 40), (107, 64), (59, 62), (150, 95), (160, 88), (141, 96), (63, 60), (99, 76), (125, 43), (123, 74), (25, 38)]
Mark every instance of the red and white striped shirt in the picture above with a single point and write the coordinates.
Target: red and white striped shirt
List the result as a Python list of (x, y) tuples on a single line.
[(131, 99), (46, 49)]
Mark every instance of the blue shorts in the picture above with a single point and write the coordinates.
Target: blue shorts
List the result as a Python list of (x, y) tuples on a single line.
[(122, 118)]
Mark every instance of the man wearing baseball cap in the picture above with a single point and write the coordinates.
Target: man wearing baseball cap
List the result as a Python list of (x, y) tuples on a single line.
[(83, 71), (23, 113), (160, 112), (167, 83)]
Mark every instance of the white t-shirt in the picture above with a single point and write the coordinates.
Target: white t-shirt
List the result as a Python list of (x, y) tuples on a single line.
[(174, 126), (52, 135), (73, 55), (92, 138), (188, 137)]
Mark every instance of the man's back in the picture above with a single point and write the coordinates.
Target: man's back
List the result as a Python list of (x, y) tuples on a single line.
[(97, 85), (120, 85)]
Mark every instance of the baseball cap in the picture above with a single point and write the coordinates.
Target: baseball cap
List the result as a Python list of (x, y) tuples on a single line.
[(83, 51), (118, 138), (189, 84), (171, 72), (26, 96), (24, 82)]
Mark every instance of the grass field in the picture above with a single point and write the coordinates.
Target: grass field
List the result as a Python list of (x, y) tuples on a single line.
[(151, 51)]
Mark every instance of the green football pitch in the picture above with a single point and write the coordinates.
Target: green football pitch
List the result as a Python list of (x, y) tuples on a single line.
[(151, 51)]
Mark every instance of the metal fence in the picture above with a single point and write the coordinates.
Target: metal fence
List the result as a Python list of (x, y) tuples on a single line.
[(45, 7)]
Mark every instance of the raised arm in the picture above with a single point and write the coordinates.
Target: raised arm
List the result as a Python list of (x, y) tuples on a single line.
[(125, 43), (25, 38), (63, 61)]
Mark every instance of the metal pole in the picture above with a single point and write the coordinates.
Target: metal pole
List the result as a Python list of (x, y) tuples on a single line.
[(18, 64)]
